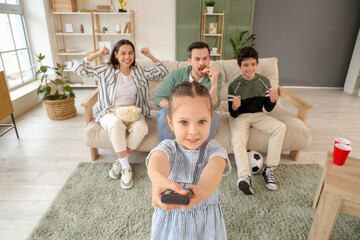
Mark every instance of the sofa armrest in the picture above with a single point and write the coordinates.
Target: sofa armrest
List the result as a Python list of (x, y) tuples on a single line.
[(302, 106), (88, 103)]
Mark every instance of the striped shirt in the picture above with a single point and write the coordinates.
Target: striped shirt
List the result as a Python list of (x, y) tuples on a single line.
[(108, 77), (202, 221)]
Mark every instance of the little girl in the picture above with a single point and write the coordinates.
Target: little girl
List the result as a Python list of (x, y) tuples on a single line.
[(188, 159)]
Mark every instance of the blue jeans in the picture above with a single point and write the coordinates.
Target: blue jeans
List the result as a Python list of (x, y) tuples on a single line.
[(164, 129)]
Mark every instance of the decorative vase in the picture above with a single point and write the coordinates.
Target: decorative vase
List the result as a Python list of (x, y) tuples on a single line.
[(209, 9), (60, 109)]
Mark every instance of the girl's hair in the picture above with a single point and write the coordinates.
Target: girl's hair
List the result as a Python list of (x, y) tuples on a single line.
[(113, 60), (189, 89)]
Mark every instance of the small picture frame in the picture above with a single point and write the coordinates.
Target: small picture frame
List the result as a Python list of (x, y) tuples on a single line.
[(213, 28), (69, 28), (106, 44), (68, 65)]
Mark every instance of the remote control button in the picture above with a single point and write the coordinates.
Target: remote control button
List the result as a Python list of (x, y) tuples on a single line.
[(184, 194)]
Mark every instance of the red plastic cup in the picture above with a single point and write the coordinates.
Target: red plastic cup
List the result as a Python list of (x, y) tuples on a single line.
[(341, 152), (342, 141)]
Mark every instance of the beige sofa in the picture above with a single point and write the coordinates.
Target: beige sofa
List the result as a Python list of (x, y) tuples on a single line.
[(298, 135)]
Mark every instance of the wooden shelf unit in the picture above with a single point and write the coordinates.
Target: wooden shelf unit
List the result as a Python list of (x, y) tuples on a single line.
[(219, 36)]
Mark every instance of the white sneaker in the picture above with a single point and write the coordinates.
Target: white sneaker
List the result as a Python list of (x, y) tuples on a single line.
[(126, 178), (244, 184), (115, 171)]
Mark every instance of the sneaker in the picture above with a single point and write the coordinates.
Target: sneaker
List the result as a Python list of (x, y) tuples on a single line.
[(269, 177), (126, 178), (244, 184), (115, 171)]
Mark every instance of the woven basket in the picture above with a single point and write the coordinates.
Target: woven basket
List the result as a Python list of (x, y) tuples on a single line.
[(60, 109)]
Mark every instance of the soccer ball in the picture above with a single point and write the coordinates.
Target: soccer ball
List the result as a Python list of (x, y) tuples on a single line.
[(256, 161)]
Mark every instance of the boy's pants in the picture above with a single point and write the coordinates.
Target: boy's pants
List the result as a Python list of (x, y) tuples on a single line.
[(117, 131), (240, 129)]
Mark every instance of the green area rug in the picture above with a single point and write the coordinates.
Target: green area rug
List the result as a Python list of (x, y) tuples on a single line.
[(92, 206)]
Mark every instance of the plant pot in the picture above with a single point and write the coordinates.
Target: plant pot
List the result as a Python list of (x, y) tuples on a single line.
[(209, 9), (60, 109)]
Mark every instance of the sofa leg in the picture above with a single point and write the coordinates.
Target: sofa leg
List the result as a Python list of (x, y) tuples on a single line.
[(295, 155), (94, 153)]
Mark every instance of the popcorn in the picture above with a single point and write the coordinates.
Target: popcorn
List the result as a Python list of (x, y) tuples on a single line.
[(128, 113)]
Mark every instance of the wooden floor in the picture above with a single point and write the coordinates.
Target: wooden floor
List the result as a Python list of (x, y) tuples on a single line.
[(33, 169)]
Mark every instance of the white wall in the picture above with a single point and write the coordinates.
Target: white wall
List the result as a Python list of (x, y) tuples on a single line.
[(38, 24), (155, 26)]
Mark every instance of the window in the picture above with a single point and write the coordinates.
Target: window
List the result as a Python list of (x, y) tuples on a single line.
[(15, 53)]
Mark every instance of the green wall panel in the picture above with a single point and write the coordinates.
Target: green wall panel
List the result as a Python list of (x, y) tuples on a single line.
[(239, 14), (188, 24)]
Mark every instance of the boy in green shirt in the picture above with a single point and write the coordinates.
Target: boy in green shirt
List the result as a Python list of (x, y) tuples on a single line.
[(248, 94)]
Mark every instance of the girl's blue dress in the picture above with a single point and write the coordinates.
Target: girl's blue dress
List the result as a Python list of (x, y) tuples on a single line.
[(202, 221)]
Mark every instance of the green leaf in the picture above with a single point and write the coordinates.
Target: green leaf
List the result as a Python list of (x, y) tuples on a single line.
[(37, 73), (40, 57), (54, 82), (67, 81), (48, 90), (42, 94), (44, 69), (38, 89), (57, 93), (68, 88), (59, 82), (71, 94), (62, 96), (241, 41), (58, 73)]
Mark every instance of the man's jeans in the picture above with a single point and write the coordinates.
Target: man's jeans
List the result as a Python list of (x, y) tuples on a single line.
[(164, 129)]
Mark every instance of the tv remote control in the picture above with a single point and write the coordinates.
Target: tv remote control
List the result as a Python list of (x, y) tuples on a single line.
[(171, 197)]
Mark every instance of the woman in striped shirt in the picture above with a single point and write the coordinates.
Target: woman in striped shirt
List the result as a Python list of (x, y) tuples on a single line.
[(190, 158), (122, 82)]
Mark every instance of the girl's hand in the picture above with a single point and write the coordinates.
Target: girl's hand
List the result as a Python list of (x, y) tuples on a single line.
[(103, 51), (196, 197), (160, 185), (146, 52)]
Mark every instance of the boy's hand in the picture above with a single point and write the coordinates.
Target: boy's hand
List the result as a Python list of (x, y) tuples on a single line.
[(159, 186), (273, 93), (196, 197), (236, 103)]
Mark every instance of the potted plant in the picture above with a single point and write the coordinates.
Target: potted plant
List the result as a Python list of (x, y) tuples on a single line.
[(210, 6), (60, 105), (240, 43)]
